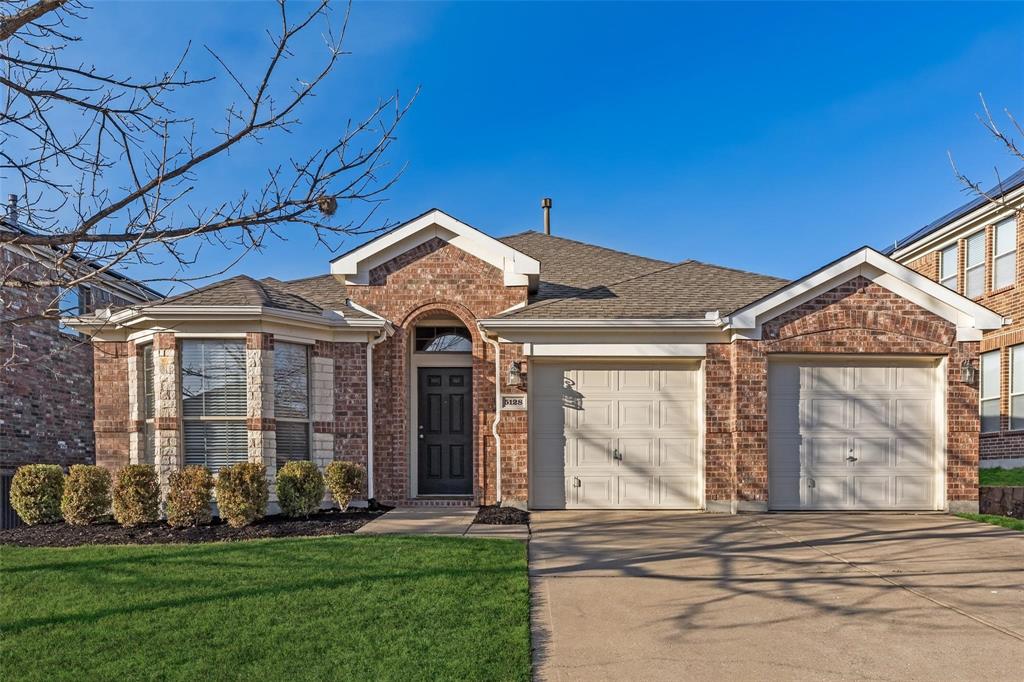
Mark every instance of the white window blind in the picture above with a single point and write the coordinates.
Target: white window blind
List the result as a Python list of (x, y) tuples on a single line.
[(948, 267), (1017, 387), (291, 402), (990, 391), (213, 400), (1004, 254), (974, 272)]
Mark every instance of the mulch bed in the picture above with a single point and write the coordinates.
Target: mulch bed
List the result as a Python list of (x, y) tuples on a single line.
[(502, 516), (333, 522)]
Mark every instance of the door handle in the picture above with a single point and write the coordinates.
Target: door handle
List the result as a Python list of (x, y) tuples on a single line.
[(616, 454), (851, 458)]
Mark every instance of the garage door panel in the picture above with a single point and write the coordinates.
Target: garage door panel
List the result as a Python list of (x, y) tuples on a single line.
[(681, 492), (863, 436), (637, 452), (678, 414), (824, 452), (620, 437), (871, 413), (680, 453), (826, 413), (636, 414), (639, 380)]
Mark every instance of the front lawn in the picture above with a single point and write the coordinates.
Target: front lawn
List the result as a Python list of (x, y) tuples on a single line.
[(1000, 476), (391, 608), (1004, 521)]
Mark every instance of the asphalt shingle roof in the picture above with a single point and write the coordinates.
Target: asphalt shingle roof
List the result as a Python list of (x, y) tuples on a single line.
[(687, 290), (569, 267)]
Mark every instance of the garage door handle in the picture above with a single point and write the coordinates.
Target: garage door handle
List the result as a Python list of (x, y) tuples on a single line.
[(851, 458), (616, 454)]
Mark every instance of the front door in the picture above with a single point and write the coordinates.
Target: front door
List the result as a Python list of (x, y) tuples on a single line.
[(445, 431)]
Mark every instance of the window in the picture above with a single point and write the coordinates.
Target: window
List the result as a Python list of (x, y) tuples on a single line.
[(948, 267), (213, 402), (1017, 387), (70, 304), (1004, 254), (291, 402), (974, 273), (990, 391), (443, 340), (148, 405)]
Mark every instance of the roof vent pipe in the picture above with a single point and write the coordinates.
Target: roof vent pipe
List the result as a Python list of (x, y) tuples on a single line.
[(12, 208), (545, 204)]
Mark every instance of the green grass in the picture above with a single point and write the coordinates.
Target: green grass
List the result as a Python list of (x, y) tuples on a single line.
[(375, 608), (1001, 476), (1004, 521)]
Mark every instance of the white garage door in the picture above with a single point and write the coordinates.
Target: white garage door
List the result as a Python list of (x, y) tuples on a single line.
[(854, 434), (615, 437)]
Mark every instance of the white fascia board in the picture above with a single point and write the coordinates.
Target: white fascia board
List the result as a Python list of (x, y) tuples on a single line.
[(616, 350), (355, 266), (992, 212), (930, 295), (498, 324)]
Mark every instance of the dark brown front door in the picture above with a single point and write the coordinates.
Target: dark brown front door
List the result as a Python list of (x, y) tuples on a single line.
[(445, 431)]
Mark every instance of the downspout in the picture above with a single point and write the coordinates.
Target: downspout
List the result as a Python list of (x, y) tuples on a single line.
[(497, 410), (369, 410)]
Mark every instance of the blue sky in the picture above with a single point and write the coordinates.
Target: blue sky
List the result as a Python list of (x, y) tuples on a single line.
[(769, 137)]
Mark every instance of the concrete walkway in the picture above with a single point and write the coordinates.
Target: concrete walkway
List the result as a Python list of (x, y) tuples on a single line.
[(664, 596), (439, 521)]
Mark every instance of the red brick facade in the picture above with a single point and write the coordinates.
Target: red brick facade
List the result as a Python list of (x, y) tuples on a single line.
[(1007, 301), (858, 317), (434, 279), (46, 376)]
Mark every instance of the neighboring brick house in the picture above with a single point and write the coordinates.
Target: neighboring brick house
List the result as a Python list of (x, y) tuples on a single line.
[(46, 369), (534, 370), (974, 250)]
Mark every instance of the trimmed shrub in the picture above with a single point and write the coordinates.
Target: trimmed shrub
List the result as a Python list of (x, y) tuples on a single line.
[(300, 488), (36, 491), (86, 496), (188, 497), (242, 493), (345, 481), (136, 498)]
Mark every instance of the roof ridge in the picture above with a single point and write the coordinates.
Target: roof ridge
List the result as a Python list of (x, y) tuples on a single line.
[(285, 292), (303, 279), (582, 243)]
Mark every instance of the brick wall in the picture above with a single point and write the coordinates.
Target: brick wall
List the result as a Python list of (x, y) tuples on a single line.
[(858, 317), (1007, 301), (432, 279), (46, 377)]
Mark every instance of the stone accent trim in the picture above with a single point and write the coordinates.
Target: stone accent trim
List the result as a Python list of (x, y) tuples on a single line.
[(259, 403)]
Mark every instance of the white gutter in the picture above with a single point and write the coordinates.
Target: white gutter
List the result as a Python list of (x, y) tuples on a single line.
[(384, 333), (497, 410), (668, 323)]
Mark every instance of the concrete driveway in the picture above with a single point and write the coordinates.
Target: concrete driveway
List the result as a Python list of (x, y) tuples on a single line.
[(666, 596)]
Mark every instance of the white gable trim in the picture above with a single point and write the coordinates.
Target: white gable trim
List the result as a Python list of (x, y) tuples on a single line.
[(969, 317), (518, 268)]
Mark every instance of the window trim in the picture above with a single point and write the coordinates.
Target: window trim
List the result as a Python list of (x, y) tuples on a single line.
[(183, 419), (955, 277), (996, 255), (308, 421), (997, 354), (968, 267), (1012, 394)]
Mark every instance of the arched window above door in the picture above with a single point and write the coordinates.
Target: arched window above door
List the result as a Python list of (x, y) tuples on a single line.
[(443, 339)]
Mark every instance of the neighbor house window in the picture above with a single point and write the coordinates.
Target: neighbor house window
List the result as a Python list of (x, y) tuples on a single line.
[(71, 303), (990, 391), (974, 273), (1017, 387), (1004, 254), (291, 401), (148, 404), (213, 402), (443, 340), (948, 267)]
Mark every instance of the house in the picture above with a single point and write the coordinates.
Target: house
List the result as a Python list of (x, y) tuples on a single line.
[(464, 369), (973, 250), (46, 368)]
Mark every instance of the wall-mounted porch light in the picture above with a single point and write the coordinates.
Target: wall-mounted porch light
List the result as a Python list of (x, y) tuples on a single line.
[(968, 373), (515, 377)]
